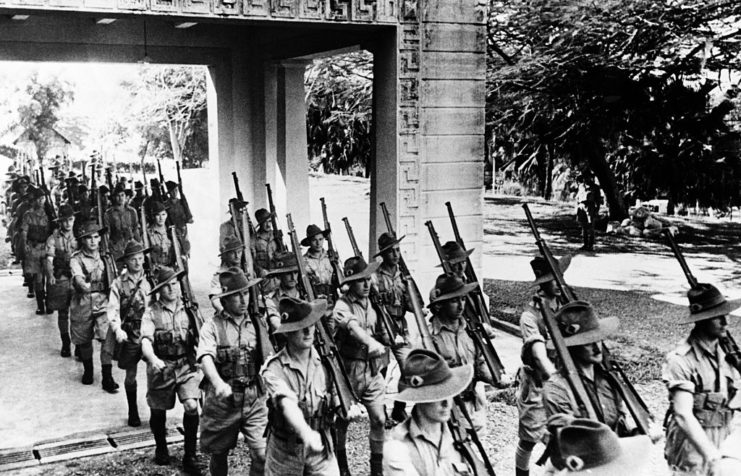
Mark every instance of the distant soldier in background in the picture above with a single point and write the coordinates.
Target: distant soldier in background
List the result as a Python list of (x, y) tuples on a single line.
[(231, 257), (59, 248), (122, 223), (265, 248), (138, 198), (162, 252), (35, 229), (588, 200), (457, 257), (318, 267), (178, 215), (285, 268)]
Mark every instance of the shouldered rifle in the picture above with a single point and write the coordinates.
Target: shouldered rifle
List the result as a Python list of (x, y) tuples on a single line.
[(109, 180), (277, 233), (246, 233), (51, 214), (475, 325), (163, 189), (636, 405), (186, 207), (478, 294), (109, 264), (237, 190), (145, 241), (189, 303), (386, 321), (334, 258), (323, 343), (727, 342)]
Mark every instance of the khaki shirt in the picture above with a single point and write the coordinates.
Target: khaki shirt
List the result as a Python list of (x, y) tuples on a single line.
[(161, 316), (35, 222), (123, 225), (318, 268), (123, 288), (350, 308), (161, 247), (392, 290), (457, 347), (265, 249), (412, 452), (223, 324), (89, 267), (63, 243)]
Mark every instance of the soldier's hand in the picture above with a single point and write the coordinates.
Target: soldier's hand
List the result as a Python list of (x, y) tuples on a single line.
[(399, 340), (376, 349), (355, 412), (158, 364), (223, 390), (51, 280), (313, 441), (655, 431), (505, 381), (490, 332), (121, 336)]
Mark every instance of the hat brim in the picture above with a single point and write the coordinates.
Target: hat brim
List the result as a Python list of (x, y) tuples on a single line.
[(467, 288), (635, 460), (563, 264), (159, 286), (307, 240), (127, 255), (607, 327), (388, 247), (250, 283), (279, 271), (459, 380), (318, 309), (100, 230), (368, 271), (460, 259), (717, 311), (262, 222), (233, 248)]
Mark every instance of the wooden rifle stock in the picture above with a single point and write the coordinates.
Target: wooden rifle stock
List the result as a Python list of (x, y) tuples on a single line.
[(332, 254), (163, 189), (237, 190), (277, 233), (186, 206), (51, 214), (323, 343), (105, 250), (186, 291), (475, 327)]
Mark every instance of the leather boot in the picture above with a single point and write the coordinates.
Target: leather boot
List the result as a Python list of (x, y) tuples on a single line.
[(87, 375), (190, 457), (376, 464), (40, 298), (157, 421), (340, 448), (219, 465), (65, 346), (522, 472), (133, 408), (109, 385)]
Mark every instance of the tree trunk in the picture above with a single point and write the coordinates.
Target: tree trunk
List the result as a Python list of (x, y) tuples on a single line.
[(601, 169), (548, 192), (174, 142)]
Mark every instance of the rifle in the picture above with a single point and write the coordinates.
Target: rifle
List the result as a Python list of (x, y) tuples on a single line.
[(727, 342), (186, 207), (186, 294), (109, 180), (475, 327), (51, 215), (277, 234), (240, 197), (109, 264), (388, 323), (145, 242), (324, 344), (637, 407), (478, 294), (334, 258), (163, 190)]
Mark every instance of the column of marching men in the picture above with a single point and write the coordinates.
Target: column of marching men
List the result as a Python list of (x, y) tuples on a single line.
[(300, 340)]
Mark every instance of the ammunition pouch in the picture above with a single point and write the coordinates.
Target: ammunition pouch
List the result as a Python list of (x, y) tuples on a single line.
[(60, 263), (131, 325), (711, 409), (320, 421), (236, 364), (37, 233), (98, 287), (349, 348), (168, 345)]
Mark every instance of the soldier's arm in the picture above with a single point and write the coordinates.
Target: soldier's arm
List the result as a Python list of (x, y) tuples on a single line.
[(557, 398), (205, 357), (344, 317), (147, 333), (114, 306), (78, 277), (50, 249)]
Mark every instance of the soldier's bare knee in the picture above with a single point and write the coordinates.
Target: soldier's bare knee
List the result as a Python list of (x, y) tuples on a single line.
[(190, 406)]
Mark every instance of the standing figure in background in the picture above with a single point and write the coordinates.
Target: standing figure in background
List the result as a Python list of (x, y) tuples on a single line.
[(162, 252), (318, 267), (265, 248), (178, 215), (231, 257), (122, 223), (35, 229), (588, 200)]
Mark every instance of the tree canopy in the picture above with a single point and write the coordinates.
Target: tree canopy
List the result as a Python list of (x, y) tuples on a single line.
[(627, 90)]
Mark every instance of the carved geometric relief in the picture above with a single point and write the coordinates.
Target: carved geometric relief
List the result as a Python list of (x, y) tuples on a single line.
[(409, 10), (364, 10), (227, 7), (313, 9), (386, 10), (409, 172), (409, 91), (196, 6), (410, 35), (132, 4), (256, 7), (408, 198), (283, 8), (409, 146), (339, 10), (408, 62), (409, 119), (165, 5)]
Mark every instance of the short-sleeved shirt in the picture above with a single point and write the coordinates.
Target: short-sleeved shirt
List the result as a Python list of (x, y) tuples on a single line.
[(130, 290), (123, 225), (558, 398), (61, 245), (391, 289), (352, 308), (236, 334), (35, 224), (412, 452), (318, 268), (531, 321), (457, 347), (265, 249), (161, 247), (161, 316), (90, 268)]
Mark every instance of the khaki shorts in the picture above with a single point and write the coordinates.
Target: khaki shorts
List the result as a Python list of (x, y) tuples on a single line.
[(531, 409), (223, 419), (35, 256), (84, 328), (176, 378), (370, 389)]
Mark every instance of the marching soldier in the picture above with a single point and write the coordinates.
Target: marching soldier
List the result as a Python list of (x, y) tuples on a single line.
[(285, 268), (138, 198), (235, 400), (537, 363), (126, 304), (226, 229), (301, 397), (318, 267), (168, 348), (265, 248), (588, 200), (703, 386), (364, 356), (449, 332), (34, 232), (178, 215), (393, 296), (423, 445), (88, 306), (59, 248), (162, 252), (122, 223), (231, 257), (457, 257)]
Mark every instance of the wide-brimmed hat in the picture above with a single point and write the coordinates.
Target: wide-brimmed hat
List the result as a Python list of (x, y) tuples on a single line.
[(156, 207), (138, 185), (448, 287), (132, 247), (23, 180), (311, 231), (427, 377), (233, 281), (543, 271), (582, 447), (89, 228), (163, 275), (34, 192), (65, 211), (296, 314), (454, 253), (283, 263), (169, 185), (356, 269), (261, 216), (119, 188), (386, 241), (232, 243), (580, 325), (706, 302)]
